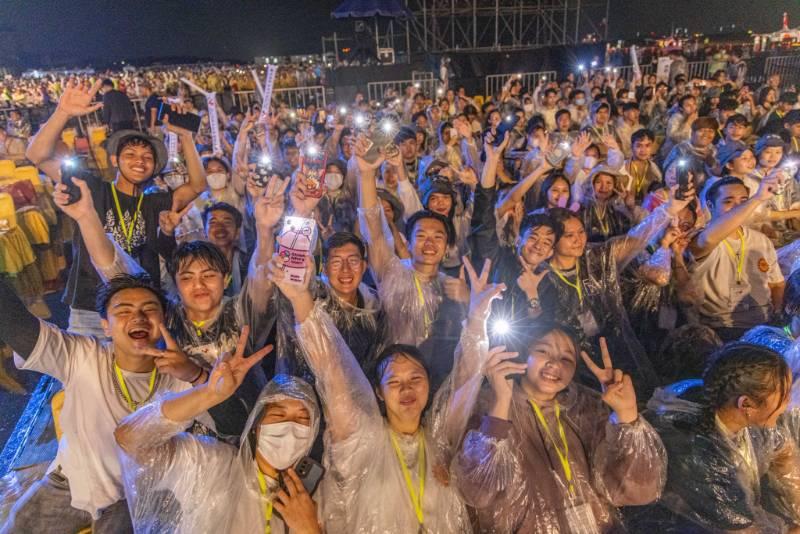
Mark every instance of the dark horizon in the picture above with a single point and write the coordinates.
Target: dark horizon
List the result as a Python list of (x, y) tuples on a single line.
[(92, 33)]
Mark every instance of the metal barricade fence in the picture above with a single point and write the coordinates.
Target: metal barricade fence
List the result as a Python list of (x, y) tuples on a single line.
[(697, 69), (627, 71), (787, 67), (294, 97), (494, 82), (424, 84)]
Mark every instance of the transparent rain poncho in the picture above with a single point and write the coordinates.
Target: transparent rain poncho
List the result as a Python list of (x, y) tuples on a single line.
[(748, 481), (177, 482), (364, 490), (510, 472), (601, 311), (417, 311)]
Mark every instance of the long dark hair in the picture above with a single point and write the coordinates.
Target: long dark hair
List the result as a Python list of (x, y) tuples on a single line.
[(548, 182)]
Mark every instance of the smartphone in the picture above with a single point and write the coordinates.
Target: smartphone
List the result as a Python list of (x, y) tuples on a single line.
[(310, 473), (74, 167), (263, 171), (382, 141), (296, 241), (187, 121), (312, 165), (505, 126), (683, 179)]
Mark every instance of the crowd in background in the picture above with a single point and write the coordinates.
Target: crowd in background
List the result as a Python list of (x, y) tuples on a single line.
[(569, 307)]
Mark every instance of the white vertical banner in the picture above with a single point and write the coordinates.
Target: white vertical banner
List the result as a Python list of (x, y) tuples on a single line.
[(269, 81), (213, 121), (637, 72), (172, 148)]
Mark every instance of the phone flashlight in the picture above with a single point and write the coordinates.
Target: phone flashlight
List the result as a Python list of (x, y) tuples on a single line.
[(581, 67), (594, 64), (501, 327), (293, 115), (387, 126), (343, 110), (360, 120), (265, 160), (312, 150)]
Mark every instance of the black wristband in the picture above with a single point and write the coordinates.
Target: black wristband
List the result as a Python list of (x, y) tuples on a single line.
[(195, 379)]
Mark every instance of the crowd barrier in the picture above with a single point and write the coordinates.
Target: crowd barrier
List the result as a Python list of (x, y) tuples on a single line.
[(494, 82), (423, 81), (295, 97)]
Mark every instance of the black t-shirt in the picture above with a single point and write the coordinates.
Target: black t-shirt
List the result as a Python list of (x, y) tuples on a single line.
[(83, 279), (153, 101)]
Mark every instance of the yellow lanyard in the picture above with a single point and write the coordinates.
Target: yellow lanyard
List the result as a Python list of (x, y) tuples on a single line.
[(577, 284), (738, 260), (604, 226), (262, 486), (198, 325), (638, 181), (421, 297), (563, 455), (132, 404), (795, 144), (416, 498), (127, 231)]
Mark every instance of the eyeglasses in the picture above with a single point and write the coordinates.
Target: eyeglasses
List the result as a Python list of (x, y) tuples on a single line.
[(336, 264)]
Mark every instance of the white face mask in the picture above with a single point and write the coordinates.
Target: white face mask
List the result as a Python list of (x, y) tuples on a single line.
[(580, 101), (174, 180), (333, 181), (217, 180), (589, 162), (283, 444)]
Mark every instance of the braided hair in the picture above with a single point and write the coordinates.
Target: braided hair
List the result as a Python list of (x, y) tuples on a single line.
[(739, 369)]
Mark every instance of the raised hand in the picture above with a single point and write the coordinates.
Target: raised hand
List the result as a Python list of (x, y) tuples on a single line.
[(297, 508), (617, 386), (172, 360), (482, 292), (499, 369), (468, 177), (230, 370), (277, 275), (528, 281), (303, 204), (675, 205), (270, 206), (767, 188), (610, 141), (83, 207), (491, 150), (580, 144), (361, 147), (456, 289), (169, 220), (78, 99)]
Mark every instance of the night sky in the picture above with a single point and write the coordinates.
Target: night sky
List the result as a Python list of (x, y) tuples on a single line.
[(75, 32)]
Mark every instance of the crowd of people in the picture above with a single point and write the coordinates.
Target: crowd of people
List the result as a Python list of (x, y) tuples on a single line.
[(44, 88), (563, 308)]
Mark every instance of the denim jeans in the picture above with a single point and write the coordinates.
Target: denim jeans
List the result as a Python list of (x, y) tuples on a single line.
[(46, 507)]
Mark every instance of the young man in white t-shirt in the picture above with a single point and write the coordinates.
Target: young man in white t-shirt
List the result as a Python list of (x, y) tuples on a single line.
[(103, 383), (736, 266)]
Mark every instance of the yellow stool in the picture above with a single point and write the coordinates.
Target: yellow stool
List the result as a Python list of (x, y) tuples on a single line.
[(7, 211), (29, 173), (68, 136), (97, 134), (7, 168)]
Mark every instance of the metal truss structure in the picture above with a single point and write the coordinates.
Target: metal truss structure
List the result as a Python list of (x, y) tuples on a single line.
[(491, 25)]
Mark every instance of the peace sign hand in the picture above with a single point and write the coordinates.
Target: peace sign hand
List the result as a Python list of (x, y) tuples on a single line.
[(269, 207), (482, 292), (617, 386), (230, 370), (172, 360)]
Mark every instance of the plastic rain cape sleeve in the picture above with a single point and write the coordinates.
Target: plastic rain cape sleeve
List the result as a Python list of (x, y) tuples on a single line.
[(517, 483), (410, 302), (182, 483), (364, 489), (748, 480)]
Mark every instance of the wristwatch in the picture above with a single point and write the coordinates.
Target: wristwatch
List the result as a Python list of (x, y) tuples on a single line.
[(534, 303)]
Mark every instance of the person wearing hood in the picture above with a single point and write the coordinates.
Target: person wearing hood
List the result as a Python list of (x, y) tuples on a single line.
[(781, 338), (600, 128), (602, 218), (406, 141), (733, 465), (584, 156), (697, 154), (337, 207), (679, 124), (181, 483), (440, 196), (220, 186), (390, 473)]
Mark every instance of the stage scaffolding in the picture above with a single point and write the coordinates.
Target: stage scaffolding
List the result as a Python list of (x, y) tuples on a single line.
[(496, 25)]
